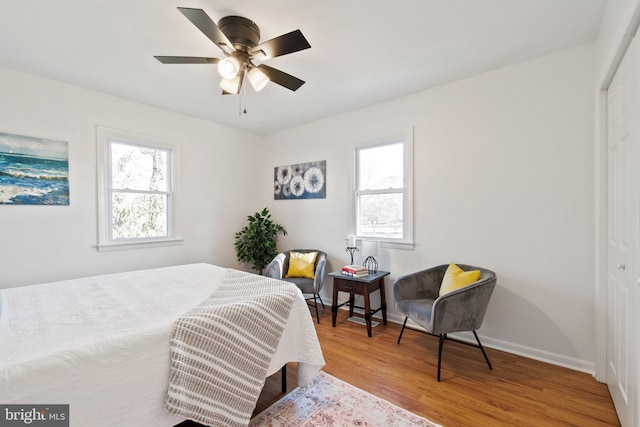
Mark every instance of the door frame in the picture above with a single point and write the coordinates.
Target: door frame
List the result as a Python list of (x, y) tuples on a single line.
[(603, 82)]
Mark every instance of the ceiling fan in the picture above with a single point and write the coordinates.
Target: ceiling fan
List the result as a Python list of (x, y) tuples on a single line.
[(238, 39)]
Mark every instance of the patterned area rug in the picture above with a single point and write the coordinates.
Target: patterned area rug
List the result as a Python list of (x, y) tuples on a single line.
[(328, 401)]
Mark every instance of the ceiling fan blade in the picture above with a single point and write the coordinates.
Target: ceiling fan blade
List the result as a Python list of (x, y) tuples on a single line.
[(283, 45), (281, 78), (186, 60), (200, 19)]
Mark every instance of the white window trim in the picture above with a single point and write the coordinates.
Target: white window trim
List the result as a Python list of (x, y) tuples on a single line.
[(105, 241), (406, 137)]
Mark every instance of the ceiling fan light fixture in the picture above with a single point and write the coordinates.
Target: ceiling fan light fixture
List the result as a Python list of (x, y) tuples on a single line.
[(229, 67), (258, 79), (239, 40), (231, 86)]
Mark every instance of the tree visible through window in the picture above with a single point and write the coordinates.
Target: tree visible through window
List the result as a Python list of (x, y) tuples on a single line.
[(380, 191), (137, 197), (139, 191), (382, 195)]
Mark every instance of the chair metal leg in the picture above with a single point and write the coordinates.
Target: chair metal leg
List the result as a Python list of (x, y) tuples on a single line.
[(440, 345), (482, 349), (402, 330), (316, 297), (321, 302), (315, 303), (442, 338)]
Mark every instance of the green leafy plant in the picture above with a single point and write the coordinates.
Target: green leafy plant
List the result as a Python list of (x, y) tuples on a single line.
[(257, 242)]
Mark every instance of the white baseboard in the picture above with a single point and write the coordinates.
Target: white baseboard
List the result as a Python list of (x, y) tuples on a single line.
[(509, 347), (537, 354)]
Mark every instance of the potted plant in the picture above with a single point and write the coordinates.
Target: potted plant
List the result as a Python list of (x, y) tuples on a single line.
[(256, 243)]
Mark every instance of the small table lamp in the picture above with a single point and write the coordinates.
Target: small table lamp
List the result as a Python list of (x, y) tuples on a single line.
[(370, 249), (351, 246)]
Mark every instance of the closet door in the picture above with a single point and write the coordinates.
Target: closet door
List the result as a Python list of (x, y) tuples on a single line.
[(623, 247)]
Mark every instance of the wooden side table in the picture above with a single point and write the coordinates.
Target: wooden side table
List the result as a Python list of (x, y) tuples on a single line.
[(359, 286)]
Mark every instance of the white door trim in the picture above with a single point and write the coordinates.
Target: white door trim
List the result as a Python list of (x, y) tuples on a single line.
[(600, 208)]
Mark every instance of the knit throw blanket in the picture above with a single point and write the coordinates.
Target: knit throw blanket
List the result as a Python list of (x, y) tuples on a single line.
[(221, 349)]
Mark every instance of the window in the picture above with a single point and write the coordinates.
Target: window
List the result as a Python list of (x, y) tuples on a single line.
[(382, 190), (137, 190)]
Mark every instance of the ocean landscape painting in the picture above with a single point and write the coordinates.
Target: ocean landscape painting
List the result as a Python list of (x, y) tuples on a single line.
[(33, 171)]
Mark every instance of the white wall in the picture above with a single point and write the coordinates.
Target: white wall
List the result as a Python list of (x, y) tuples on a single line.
[(615, 23), (503, 179), (47, 243)]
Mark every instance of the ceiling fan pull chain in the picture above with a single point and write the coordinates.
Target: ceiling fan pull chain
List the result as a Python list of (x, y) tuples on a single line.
[(241, 99)]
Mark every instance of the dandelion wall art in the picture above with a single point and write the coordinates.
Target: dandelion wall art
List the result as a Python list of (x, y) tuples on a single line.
[(302, 181), (33, 171)]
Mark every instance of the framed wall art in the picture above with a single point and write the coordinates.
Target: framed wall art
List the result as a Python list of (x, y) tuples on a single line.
[(301, 181), (33, 171)]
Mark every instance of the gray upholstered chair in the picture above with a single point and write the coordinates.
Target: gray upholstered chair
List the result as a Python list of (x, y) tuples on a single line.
[(278, 268), (416, 296)]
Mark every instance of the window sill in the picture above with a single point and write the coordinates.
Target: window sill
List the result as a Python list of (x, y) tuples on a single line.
[(386, 244), (407, 246), (139, 244)]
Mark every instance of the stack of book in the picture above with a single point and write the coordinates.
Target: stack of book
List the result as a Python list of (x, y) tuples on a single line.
[(355, 271)]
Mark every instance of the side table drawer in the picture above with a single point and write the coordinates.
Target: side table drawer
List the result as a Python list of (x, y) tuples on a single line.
[(345, 286)]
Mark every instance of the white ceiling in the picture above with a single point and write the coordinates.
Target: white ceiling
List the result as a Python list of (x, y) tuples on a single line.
[(362, 51)]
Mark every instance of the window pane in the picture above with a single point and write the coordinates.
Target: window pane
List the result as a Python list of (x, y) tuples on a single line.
[(138, 168), (380, 215), (381, 167), (139, 215)]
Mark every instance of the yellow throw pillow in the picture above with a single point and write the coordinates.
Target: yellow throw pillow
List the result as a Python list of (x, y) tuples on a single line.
[(302, 265), (456, 278)]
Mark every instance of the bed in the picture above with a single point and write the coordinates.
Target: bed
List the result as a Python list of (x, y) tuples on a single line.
[(101, 344)]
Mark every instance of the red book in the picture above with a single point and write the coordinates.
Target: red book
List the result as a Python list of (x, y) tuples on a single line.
[(355, 269)]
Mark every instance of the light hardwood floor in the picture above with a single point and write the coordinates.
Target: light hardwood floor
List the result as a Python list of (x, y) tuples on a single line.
[(517, 392)]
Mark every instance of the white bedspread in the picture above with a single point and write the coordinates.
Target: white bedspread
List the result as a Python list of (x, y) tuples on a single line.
[(101, 343)]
